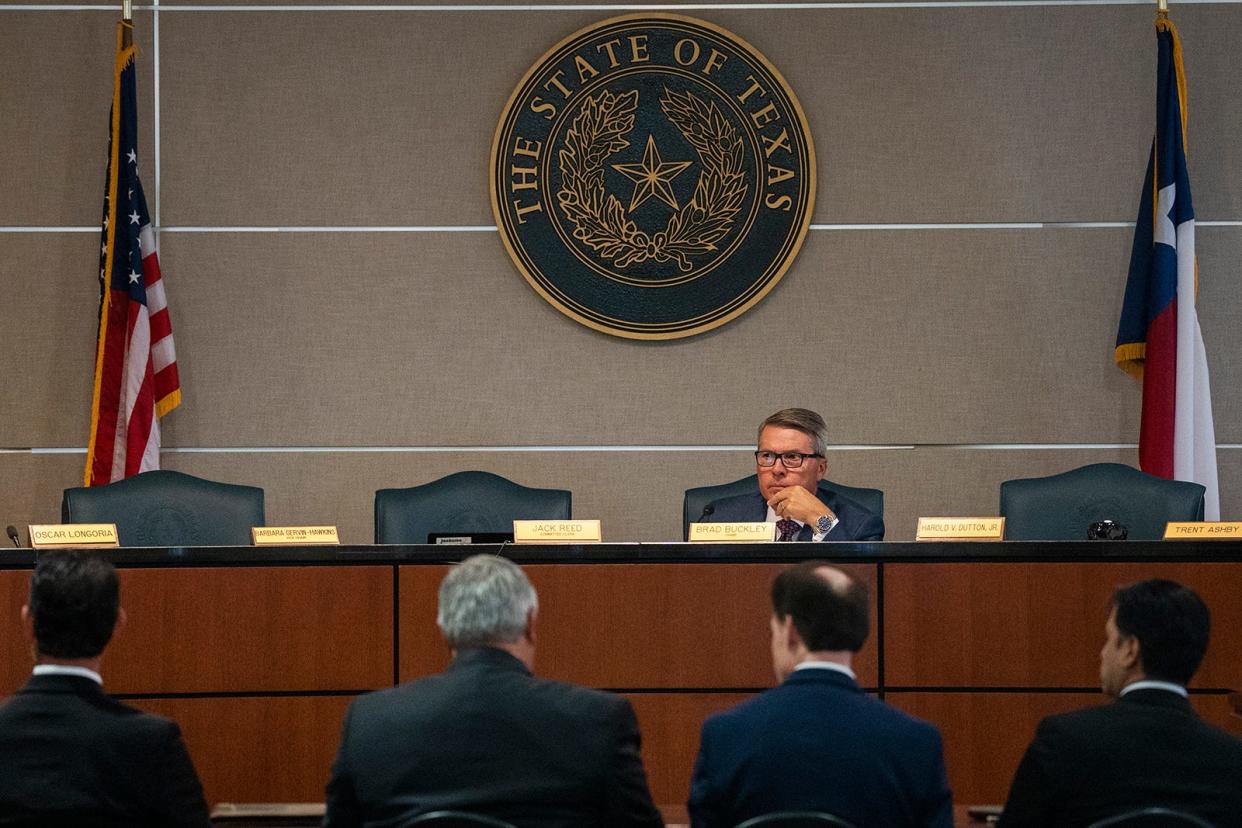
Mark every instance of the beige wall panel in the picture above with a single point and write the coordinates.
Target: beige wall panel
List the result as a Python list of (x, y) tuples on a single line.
[(897, 337), (47, 339), (926, 337), (919, 115), (57, 70)]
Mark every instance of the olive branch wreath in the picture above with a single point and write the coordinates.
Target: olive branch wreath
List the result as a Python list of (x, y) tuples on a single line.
[(600, 220)]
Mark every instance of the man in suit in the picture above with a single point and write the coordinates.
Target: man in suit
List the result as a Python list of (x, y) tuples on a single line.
[(817, 742), (1147, 748), (487, 736), (790, 462), (69, 754)]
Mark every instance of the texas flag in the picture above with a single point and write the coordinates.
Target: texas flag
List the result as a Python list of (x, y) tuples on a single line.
[(1158, 340)]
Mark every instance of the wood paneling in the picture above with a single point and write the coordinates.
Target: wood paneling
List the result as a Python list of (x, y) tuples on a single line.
[(258, 749), (1033, 625), (659, 626), (253, 629), (15, 657)]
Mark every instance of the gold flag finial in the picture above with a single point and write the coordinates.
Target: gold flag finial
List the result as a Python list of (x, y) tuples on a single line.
[(1162, 7)]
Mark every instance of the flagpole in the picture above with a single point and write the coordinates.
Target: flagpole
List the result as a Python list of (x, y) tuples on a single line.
[(127, 9), (1162, 7)]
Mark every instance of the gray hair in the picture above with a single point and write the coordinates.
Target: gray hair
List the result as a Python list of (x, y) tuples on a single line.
[(484, 600), (804, 420)]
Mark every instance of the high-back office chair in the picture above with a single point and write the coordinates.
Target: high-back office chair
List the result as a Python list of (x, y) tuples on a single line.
[(168, 508), (1062, 506), (469, 501), (1153, 818), (796, 819), (695, 500), (454, 819)]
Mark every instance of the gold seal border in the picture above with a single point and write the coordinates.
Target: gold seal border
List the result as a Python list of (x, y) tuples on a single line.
[(772, 281)]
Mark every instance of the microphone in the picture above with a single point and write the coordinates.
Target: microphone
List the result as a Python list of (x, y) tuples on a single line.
[(708, 511), (11, 531)]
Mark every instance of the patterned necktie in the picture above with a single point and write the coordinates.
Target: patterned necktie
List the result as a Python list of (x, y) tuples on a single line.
[(787, 528)]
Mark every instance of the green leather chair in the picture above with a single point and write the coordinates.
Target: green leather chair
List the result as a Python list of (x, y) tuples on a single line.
[(695, 500), (469, 501), (168, 508), (1062, 506)]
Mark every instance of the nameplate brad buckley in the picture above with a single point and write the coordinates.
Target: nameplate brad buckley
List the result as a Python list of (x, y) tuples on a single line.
[(960, 528), (72, 535), (732, 532), (294, 536), (1213, 530), (556, 531)]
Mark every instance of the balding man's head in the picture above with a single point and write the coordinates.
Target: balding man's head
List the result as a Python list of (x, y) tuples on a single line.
[(830, 610)]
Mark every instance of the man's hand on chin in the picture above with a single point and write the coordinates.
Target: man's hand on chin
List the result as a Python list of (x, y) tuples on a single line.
[(797, 503)]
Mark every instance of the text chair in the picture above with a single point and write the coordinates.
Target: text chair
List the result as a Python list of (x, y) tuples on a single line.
[(168, 508), (796, 819), (695, 500), (1062, 506), (454, 819), (1153, 818), (469, 501)]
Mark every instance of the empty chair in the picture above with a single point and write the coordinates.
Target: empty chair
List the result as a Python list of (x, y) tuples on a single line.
[(168, 508), (1153, 818), (796, 819), (454, 819), (1062, 506), (469, 501), (695, 500)]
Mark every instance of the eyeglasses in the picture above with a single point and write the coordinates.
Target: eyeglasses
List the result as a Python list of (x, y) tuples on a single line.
[(789, 459)]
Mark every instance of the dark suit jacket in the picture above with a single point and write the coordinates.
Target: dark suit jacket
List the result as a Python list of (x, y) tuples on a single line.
[(1146, 749), (819, 743), (489, 737), (857, 523), (70, 755)]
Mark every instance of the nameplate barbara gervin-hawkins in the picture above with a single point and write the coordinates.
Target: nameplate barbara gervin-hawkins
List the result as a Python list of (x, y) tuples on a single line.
[(294, 536), (960, 529), (652, 176), (72, 535)]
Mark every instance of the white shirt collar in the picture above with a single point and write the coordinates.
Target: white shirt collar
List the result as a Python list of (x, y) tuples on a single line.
[(825, 665), (1150, 684), (65, 670)]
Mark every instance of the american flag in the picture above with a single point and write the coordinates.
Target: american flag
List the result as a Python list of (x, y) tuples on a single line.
[(136, 379)]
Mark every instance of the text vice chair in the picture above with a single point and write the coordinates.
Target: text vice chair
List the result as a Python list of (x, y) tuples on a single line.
[(695, 500), (796, 819), (469, 501), (454, 819), (168, 508), (1062, 506)]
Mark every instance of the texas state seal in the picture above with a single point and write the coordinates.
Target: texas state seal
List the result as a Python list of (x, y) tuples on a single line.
[(653, 176)]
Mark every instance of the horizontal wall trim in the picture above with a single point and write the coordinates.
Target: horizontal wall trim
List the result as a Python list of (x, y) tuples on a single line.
[(881, 4), (587, 449), (491, 228)]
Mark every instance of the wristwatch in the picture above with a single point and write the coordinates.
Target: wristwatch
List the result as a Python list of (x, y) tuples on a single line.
[(824, 524)]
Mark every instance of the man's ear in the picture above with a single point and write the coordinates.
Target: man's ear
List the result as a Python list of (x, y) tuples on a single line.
[(1130, 652), (789, 633), (532, 623)]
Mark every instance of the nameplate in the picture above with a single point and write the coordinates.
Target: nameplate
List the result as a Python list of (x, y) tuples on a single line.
[(960, 528), (556, 531), (1222, 530), (72, 535), (294, 536), (732, 532)]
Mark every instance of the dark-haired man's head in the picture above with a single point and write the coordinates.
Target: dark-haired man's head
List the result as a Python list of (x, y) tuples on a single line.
[(818, 613), (74, 606), (1157, 630)]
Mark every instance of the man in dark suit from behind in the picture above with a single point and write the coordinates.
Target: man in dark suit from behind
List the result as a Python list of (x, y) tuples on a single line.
[(790, 460), (487, 736), (1147, 748), (69, 754), (817, 742)]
